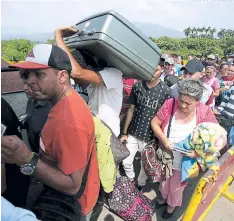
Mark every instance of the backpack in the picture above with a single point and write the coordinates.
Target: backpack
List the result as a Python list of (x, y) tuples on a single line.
[(129, 203), (53, 205)]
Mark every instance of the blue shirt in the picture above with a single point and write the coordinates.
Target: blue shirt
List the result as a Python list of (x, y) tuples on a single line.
[(12, 213), (178, 71)]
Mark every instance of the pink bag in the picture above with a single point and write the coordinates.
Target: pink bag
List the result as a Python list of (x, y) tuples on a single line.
[(129, 203)]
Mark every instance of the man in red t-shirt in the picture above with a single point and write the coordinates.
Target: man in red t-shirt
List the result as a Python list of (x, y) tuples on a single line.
[(67, 140), (229, 79), (127, 88)]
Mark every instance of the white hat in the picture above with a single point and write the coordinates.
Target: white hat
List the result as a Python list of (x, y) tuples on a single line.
[(169, 61), (211, 56)]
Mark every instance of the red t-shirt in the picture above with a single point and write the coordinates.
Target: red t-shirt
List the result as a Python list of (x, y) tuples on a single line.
[(127, 88), (228, 82), (69, 140)]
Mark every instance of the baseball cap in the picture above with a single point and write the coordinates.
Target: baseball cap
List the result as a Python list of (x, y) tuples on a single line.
[(193, 66), (169, 60), (211, 56), (45, 56)]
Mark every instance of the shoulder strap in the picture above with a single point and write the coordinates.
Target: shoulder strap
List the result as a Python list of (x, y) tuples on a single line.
[(169, 124), (84, 179), (103, 123)]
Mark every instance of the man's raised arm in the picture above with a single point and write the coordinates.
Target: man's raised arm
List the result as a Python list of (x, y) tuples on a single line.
[(79, 74)]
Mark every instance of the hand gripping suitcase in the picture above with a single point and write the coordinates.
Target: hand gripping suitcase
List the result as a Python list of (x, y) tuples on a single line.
[(112, 38)]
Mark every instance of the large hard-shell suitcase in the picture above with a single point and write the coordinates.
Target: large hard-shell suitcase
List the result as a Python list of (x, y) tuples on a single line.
[(112, 38)]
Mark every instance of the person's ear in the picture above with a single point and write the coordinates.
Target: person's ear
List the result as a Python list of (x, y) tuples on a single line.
[(62, 76)]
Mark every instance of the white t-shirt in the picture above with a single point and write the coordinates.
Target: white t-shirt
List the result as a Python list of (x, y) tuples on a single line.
[(179, 132), (205, 96), (105, 101)]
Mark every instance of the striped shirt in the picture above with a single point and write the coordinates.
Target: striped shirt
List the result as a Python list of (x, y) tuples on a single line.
[(227, 104)]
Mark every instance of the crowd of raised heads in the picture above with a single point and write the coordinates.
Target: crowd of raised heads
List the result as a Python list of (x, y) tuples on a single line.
[(216, 72)]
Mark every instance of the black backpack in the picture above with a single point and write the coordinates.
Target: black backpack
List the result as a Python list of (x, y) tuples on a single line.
[(53, 205)]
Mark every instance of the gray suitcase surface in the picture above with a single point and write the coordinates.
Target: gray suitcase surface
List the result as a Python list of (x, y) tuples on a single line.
[(112, 38)]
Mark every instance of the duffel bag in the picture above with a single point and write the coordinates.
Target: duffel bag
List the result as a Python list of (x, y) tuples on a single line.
[(129, 203)]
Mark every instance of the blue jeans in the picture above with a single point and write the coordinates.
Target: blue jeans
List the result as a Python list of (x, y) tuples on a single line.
[(87, 217), (231, 136)]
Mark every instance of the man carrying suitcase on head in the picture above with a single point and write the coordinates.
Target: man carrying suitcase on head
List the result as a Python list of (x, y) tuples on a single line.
[(145, 100), (106, 87)]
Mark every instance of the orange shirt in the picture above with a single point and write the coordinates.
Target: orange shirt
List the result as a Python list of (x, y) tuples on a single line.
[(68, 138)]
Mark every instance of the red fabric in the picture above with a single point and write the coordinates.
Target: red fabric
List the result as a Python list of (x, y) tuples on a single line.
[(228, 82), (203, 112), (69, 140), (214, 83), (210, 100), (127, 88)]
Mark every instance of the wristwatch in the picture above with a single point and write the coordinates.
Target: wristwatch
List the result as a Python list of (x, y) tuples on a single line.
[(29, 168)]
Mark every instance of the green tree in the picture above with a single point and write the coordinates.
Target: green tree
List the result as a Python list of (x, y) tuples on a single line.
[(221, 33), (16, 50), (51, 41), (186, 32)]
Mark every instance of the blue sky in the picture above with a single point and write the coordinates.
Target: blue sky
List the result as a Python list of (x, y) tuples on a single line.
[(47, 15)]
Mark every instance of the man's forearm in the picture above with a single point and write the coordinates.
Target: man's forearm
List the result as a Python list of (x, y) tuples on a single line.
[(54, 178), (128, 120), (76, 68)]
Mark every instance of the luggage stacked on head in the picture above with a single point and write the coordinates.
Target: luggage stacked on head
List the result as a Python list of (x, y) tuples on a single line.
[(112, 38)]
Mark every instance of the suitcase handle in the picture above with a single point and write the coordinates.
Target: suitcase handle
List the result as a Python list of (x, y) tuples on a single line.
[(80, 32), (84, 32)]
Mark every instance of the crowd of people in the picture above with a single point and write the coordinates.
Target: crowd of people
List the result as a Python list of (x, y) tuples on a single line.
[(62, 133)]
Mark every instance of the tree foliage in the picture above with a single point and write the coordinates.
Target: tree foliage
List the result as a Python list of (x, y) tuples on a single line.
[(16, 50), (197, 32), (196, 46), (51, 41), (199, 41)]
